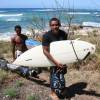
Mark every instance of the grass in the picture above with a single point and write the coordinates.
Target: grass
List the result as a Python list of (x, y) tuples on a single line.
[(3, 75), (11, 92), (5, 49), (92, 38), (97, 85), (32, 97), (19, 83), (95, 58)]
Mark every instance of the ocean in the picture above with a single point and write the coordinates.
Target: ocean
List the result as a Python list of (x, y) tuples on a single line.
[(38, 18)]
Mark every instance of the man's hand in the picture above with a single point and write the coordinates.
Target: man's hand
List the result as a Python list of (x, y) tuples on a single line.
[(59, 65), (49, 56), (61, 68)]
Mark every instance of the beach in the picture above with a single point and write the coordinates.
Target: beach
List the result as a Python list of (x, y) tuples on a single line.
[(82, 84), (86, 80), (38, 18)]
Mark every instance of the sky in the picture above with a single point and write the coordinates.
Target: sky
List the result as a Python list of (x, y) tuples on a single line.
[(82, 4)]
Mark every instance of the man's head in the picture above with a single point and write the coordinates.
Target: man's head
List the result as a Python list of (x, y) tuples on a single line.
[(18, 29), (54, 24)]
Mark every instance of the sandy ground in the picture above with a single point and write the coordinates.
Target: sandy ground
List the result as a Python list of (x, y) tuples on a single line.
[(80, 85)]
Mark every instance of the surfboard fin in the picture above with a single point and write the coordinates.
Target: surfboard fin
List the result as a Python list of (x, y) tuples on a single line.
[(86, 55)]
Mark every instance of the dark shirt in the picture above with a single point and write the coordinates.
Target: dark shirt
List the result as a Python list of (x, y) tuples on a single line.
[(57, 81), (51, 37)]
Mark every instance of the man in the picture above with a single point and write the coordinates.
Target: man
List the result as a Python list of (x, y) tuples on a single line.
[(18, 42), (18, 47), (57, 82)]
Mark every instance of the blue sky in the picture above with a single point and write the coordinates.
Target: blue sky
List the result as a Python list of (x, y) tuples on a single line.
[(88, 4)]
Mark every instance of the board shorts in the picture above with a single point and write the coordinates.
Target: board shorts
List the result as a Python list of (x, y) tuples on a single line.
[(57, 80)]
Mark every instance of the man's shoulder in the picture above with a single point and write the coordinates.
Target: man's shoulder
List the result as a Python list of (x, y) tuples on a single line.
[(64, 35), (62, 31), (47, 34), (24, 36), (46, 39)]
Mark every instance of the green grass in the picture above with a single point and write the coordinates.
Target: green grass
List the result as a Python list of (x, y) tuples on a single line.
[(32, 97), (19, 83), (5, 49), (11, 92), (3, 75), (97, 85)]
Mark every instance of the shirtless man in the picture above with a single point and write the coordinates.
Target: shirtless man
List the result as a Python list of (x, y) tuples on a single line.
[(18, 42), (18, 47)]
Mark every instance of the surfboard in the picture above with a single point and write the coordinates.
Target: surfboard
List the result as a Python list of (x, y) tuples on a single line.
[(32, 43), (65, 52)]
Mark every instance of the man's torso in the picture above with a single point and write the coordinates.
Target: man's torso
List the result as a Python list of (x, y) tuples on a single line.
[(51, 37), (19, 42)]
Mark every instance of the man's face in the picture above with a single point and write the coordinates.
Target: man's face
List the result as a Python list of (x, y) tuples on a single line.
[(18, 31), (54, 25)]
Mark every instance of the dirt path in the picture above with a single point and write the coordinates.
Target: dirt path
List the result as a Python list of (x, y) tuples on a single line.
[(81, 85)]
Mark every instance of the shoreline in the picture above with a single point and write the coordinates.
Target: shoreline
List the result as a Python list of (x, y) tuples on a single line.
[(76, 29)]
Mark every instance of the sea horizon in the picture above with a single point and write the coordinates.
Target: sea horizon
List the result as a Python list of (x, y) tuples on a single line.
[(38, 18)]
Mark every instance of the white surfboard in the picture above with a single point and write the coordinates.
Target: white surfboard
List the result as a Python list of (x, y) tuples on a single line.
[(65, 52)]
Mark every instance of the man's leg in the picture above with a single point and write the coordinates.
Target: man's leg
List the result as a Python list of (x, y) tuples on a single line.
[(53, 83), (57, 82), (53, 95)]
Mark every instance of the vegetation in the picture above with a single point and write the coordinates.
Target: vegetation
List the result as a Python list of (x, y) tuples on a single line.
[(19, 83), (3, 76), (92, 64), (32, 97), (11, 92), (5, 49), (91, 37)]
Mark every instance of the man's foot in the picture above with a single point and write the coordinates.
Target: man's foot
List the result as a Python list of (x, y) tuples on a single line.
[(53, 96)]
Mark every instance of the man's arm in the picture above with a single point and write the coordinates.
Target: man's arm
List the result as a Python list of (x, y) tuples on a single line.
[(13, 48), (49, 56), (65, 35)]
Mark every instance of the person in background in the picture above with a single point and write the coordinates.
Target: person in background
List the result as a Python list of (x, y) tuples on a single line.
[(57, 81), (19, 47), (18, 42)]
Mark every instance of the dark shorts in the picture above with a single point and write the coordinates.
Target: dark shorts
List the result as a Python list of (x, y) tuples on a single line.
[(57, 80)]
